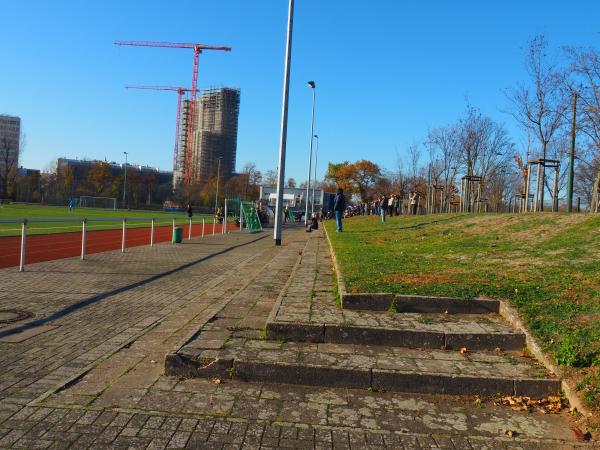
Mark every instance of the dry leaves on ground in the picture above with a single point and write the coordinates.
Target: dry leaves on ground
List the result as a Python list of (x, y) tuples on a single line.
[(549, 405)]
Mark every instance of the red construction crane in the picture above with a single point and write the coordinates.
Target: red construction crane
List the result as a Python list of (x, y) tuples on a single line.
[(180, 91), (198, 48)]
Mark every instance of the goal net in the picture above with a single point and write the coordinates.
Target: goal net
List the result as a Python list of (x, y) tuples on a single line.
[(97, 202), (250, 217)]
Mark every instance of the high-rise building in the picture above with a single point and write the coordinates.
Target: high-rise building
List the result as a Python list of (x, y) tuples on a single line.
[(216, 115), (10, 132)]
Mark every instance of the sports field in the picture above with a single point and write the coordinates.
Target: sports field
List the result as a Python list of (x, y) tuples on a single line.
[(62, 212)]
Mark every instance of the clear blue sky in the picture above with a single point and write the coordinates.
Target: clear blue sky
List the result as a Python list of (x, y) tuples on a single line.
[(386, 70)]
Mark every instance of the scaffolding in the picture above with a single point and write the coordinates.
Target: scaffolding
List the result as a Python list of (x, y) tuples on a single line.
[(470, 194), (541, 166), (434, 203), (215, 135)]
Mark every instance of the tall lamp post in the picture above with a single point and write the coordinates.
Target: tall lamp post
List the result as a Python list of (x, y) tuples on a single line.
[(316, 136), (284, 121), (217, 192), (313, 86), (125, 183)]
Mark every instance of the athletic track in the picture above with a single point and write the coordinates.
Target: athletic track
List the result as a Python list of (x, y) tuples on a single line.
[(46, 247)]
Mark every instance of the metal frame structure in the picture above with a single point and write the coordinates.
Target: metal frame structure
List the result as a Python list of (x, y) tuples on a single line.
[(470, 193), (537, 193)]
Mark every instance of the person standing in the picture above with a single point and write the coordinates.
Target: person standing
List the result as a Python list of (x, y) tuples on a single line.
[(339, 205), (390, 204), (383, 204), (189, 211), (414, 202)]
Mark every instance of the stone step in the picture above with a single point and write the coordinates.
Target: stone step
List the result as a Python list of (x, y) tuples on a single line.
[(410, 332), (419, 304), (369, 367)]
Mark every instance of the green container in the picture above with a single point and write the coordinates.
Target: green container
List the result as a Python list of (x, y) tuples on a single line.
[(177, 235)]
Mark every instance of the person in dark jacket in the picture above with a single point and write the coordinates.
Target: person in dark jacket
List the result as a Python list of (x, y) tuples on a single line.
[(339, 206), (189, 211)]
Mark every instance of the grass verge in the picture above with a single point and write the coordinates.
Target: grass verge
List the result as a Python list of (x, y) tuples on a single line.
[(546, 265)]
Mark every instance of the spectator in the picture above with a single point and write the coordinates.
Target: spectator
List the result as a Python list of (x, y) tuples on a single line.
[(383, 203), (189, 211), (414, 202), (339, 206), (390, 205)]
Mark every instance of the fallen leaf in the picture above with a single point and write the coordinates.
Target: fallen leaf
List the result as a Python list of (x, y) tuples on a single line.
[(509, 433), (446, 312), (463, 350), (152, 361), (580, 435), (216, 380)]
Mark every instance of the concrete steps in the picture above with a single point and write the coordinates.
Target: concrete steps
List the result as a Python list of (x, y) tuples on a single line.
[(381, 342), (369, 367), (431, 331)]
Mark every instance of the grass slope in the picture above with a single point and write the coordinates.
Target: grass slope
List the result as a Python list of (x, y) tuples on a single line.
[(546, 265), (62, 212)]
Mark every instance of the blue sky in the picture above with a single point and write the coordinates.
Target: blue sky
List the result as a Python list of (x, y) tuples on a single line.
[(386, 71)]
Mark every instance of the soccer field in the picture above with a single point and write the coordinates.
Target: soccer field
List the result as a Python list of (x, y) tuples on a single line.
[(62, 212)]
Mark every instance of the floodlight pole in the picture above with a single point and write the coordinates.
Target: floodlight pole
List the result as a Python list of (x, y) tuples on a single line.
[(313, 86), (315, 179), (284, 120), (125, 183)]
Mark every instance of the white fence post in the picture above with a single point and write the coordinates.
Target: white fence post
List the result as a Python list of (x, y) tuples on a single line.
[(23, 244), (224, 227), (83, 238), (152, 233), (203, 228), (123, 236), (214, 225), (173, 232), (241, 215), (190, 231)]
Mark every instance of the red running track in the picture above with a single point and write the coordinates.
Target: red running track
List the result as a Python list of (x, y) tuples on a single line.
[(46, 247)]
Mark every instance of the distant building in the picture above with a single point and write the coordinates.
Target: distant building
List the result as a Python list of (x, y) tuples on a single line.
[(295, 198), (83, 165), (216, 114), (10, 132)]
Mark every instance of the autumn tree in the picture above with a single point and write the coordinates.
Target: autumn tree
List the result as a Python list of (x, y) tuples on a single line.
[(99, 176), (9, 160), (356, 178)]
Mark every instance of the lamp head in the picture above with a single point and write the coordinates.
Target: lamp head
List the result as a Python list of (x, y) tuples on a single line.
[(312, 84)]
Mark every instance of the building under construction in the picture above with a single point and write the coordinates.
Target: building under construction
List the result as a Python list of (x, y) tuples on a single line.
[(214, 138)]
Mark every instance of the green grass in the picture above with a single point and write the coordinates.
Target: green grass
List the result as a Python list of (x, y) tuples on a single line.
[(545, 265), (61, 212)]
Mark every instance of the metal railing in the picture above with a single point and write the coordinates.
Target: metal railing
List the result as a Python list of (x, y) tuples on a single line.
[(84, 221)]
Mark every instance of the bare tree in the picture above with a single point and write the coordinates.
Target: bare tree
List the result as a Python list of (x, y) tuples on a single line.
[(540, 105), (443, 148)]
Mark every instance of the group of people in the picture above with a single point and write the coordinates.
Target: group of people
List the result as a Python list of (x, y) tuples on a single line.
[(382, 206)]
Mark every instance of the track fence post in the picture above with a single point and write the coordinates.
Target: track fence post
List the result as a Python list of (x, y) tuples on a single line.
[(124, 234), (23, 245), (190, 230), (203, 228), (173, 232), (83, 238), (241, 215), (214, 225), (224, 226), (152, 233)]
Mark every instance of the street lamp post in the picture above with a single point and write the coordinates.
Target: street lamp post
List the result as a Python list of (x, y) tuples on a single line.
[(217, 192), (312, 85), (315, 178), (125, 183), (284, 120)]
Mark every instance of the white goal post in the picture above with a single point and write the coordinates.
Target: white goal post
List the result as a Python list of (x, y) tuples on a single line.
[(97, 202)]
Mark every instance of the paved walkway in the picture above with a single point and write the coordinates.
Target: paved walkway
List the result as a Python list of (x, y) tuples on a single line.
[(87, 370)]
